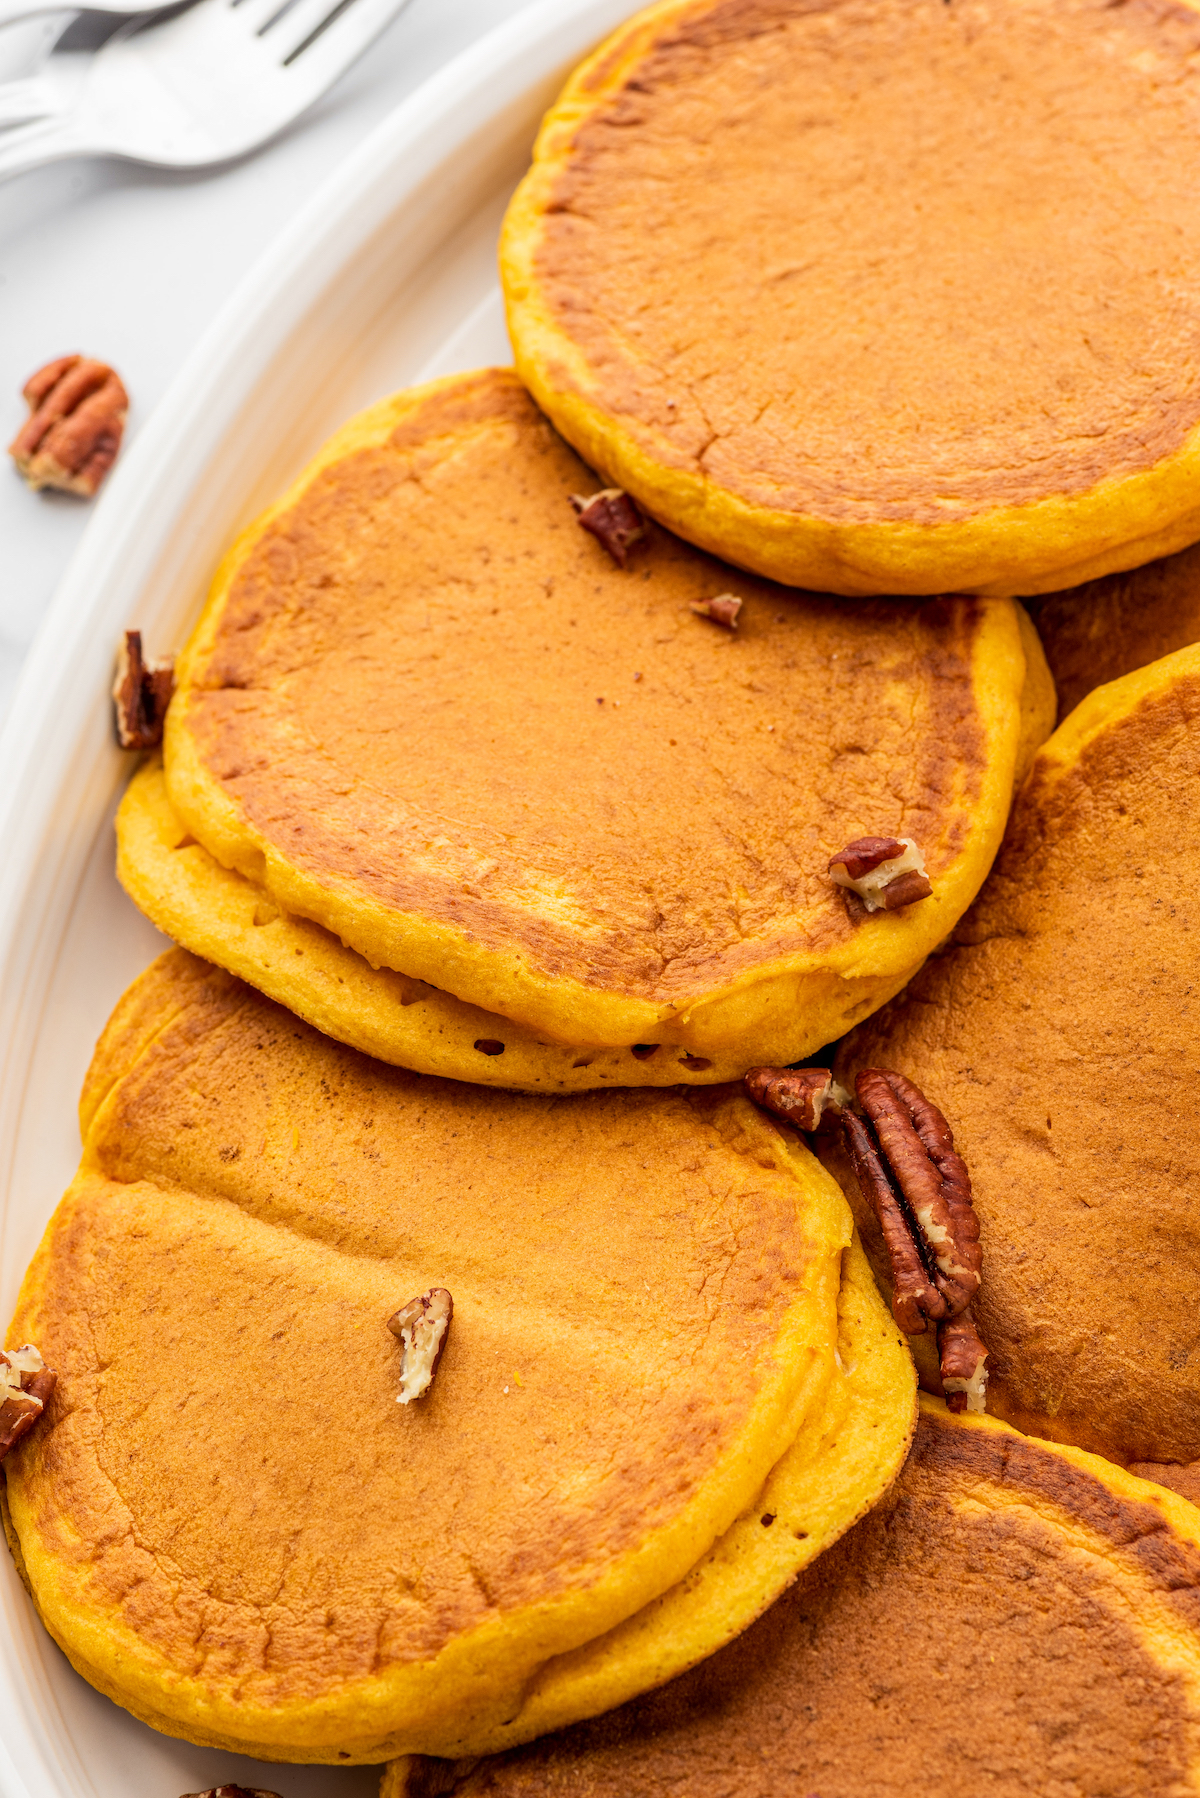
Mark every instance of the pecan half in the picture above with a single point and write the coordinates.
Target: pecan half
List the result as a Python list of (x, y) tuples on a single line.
[(25, 1387), (801, 1095), (907, 1167), (613, 518), (421, 1326), (915, 1298), (141, 694), (723, 609), (70, 440), (884, 872), (962, 1355), (933, 1176)]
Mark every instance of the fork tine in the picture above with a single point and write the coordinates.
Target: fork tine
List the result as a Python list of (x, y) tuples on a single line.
[(328, 35), (286, 25), (259, 16), (277, 14), (316, 32)]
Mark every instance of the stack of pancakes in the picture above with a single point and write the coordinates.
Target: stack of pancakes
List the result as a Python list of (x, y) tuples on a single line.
[(661, 1325), (497, 852)]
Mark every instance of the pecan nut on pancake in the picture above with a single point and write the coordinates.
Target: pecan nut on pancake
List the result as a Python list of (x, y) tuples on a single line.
[(1057, 1033), (1016, 1619), (901, 1155), (426, 711), (141, 694), (1109, 627), (228, 1522), (875, 296)]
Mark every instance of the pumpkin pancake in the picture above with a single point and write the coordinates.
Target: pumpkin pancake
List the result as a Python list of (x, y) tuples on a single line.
[(838, 1467), (1014, 1618), (1057, 1034), (227, 1521), (1106, 628), (879, 297), (425, 711), (219, 914)]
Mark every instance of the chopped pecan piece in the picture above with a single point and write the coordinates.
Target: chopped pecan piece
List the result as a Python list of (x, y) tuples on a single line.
[(723, 609), (25, 1387), (907, 1167), (141, 693), (884, 872), (70, 440), (962, 1355), (421, 1326), (613, 518), (801, 1095)]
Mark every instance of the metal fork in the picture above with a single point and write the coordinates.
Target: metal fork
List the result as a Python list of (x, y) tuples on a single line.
[(204, 86)]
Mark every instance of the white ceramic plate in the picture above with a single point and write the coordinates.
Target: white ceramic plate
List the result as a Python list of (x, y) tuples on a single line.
[(387, 278)]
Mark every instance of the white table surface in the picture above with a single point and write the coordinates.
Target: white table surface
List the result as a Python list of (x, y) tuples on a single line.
[(130, 265)]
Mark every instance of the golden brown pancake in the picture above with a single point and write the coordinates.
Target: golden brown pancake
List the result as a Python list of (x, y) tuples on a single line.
[(1106, 628), (1014, 1619), (879, 297), (1057, 1034), (219, 914), (845, 1457), (426, 711), (227, 1521)]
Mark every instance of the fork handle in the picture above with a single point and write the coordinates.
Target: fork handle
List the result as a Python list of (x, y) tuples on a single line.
[(23, 101), (37, 144)]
